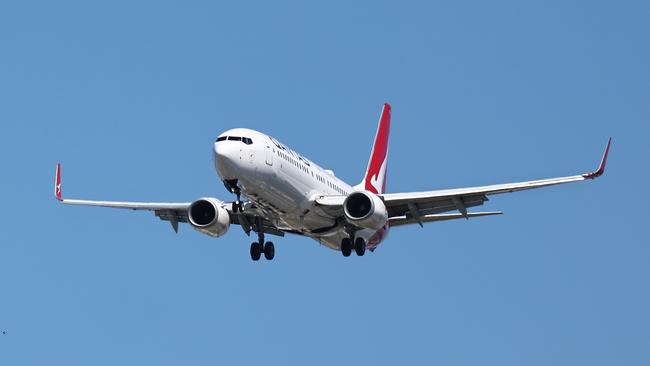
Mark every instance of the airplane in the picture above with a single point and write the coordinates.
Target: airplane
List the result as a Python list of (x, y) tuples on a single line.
[(286, 193)]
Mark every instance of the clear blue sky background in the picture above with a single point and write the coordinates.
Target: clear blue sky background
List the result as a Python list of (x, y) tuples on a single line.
[(130, 96)]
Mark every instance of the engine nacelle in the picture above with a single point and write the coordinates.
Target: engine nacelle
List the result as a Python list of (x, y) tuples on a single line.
[(365, 209), (208, 216)]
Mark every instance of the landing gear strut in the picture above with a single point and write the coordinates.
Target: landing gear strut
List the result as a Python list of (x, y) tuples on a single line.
[(236, 205), (231, 185)]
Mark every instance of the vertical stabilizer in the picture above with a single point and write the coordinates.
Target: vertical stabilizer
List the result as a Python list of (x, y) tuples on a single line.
[(57, 183), (375, 178)]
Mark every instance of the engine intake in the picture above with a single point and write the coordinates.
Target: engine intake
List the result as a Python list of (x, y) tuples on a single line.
[(208, 216), (365, 209)]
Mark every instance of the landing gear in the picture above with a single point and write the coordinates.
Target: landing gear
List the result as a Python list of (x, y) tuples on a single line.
[(346, 247), (236, 205), (257, 248), (231, 185), (360, 246)]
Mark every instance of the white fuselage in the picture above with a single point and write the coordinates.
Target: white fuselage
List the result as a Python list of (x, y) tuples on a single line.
[(284, 185)]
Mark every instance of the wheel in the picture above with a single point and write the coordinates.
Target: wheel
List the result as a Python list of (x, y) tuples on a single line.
[(256, 251), (346, 247), (360, 246), (235, 207), (269, 250)]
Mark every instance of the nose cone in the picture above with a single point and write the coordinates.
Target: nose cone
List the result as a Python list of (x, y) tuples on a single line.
[(227, 159)]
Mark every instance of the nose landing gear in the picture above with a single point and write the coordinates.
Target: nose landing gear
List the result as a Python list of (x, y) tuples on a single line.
[(258, 247), (232, 187), (236, 205)]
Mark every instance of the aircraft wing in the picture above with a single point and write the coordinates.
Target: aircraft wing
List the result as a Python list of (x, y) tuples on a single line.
[(170, 211), (419, 207)]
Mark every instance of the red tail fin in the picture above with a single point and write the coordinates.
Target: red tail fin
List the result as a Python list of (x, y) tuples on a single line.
[(57, 183), (375, 179)]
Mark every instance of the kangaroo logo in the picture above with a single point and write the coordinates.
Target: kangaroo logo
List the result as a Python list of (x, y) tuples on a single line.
[(377, 179)]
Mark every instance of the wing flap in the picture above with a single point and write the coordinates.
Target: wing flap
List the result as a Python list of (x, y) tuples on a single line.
[(409, 219)]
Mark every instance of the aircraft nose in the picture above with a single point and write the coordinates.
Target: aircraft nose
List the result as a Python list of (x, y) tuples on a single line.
[(226, 151), (227, 157)]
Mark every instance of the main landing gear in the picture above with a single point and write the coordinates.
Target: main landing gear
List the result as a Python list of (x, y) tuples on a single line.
[(257, 248), (347, 246)]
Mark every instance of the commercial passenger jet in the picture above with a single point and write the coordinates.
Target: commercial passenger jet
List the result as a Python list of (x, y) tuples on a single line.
[(288, 193)]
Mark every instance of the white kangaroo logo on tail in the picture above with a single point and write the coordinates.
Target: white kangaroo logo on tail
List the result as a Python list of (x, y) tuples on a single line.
[(377, 179)]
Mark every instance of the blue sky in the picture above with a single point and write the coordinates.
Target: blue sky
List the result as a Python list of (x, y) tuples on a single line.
[(129, 96)]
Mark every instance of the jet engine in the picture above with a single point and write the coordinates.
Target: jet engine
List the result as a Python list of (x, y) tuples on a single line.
[(365, 209), (208, 216)]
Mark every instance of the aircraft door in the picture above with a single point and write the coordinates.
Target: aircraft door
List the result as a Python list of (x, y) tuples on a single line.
[(269, 155)]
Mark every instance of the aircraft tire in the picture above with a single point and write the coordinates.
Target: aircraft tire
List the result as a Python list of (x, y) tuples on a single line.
[(256, 251), (269, 250), (360, 246), (346, 247)]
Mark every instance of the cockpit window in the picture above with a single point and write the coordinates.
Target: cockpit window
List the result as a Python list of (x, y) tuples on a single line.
[(246, 140)]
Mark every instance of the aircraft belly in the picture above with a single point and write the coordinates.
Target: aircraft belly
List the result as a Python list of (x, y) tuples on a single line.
[(277, 191), (280, 190)]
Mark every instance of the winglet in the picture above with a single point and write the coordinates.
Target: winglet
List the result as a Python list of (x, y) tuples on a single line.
[(601, 167), (57, 183)]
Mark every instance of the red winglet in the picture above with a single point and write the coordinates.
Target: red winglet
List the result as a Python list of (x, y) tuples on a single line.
[(603, 162), (57, 183)]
